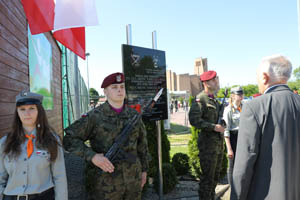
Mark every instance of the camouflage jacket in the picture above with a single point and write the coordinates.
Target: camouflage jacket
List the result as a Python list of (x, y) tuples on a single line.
[(204, 112), (101, 126)]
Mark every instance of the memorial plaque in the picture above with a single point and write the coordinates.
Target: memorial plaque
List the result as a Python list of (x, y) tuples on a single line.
[(145, 75)]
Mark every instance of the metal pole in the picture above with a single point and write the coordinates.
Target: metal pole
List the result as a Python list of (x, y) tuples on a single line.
[(298, 4), (154, 40), (87, 70), (158, 126), (128, 34)]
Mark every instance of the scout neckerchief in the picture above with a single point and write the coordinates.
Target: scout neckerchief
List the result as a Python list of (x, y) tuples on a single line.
[(239, 108), (30, 143)]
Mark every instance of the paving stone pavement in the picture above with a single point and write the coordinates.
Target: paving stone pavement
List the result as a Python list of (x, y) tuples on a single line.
[(180, 117)]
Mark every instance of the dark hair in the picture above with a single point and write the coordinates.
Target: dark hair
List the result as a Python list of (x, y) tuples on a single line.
[(46, 137)]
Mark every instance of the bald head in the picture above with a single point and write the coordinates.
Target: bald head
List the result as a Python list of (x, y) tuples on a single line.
[(273, 70)]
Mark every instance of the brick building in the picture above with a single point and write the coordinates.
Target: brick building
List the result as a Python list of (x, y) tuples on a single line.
[(14, 66), (186, 82)]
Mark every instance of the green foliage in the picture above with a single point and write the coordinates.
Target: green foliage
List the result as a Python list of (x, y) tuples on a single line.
[(169, 178), (93, 92), (250, 89), (179, 142), (153, 164), (178, 149), (293, 85), (296, 73), (194, 153), (223, 172), (48, 98), (176, 128), (94, 95), (152, 146), (181, 99), (220, 94), (194, 156), (180, 161), (191, 99)]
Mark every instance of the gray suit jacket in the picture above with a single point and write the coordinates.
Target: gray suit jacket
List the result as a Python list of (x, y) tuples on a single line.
[(267, 164)]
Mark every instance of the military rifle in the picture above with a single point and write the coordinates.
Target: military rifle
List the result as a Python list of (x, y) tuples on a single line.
[(221, 110), (115, 151)]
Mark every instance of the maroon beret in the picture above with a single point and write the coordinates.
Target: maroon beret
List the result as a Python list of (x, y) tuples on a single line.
[(206, 76), (115, 78)]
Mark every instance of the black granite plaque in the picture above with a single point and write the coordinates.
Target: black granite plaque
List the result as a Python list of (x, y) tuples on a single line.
[(145, 75)]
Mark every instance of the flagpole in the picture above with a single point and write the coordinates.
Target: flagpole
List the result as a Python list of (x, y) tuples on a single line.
[(158, 128), (128, 34), (87, 70)]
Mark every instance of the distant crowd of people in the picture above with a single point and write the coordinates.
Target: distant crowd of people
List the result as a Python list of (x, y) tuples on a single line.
[(175, 104)]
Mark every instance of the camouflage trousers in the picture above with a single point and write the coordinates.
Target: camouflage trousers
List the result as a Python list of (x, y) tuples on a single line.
[(125, 184), (210, 146), (130, 191)]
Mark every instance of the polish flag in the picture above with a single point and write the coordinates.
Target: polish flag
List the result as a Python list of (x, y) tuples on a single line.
[(66, 18)]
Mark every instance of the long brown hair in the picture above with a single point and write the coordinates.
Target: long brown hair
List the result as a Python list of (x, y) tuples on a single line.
[(46, 137)]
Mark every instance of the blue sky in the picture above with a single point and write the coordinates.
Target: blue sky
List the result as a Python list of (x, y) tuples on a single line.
[(233, 35)]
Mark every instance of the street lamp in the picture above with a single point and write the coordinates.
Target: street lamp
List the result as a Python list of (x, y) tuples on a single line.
[(87, 69)]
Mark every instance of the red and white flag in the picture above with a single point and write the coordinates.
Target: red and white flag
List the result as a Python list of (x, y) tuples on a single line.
[(66, 18)]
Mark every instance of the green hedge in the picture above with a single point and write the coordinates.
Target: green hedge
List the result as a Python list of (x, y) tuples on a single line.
[(169, 178), (194, 156), (180, 161), (152, 146)]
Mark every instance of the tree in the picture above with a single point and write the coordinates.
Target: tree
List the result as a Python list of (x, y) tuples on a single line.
[(295, 85), (250, 89), (296, 73), (94, 95)]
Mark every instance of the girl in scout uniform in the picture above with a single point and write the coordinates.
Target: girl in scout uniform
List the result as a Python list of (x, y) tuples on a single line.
[(232, 118), (31, 163)]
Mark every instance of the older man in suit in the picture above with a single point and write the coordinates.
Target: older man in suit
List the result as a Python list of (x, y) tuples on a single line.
[(267, 162)]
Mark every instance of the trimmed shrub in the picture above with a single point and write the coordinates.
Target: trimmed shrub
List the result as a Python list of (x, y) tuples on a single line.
[(180, 161), (169, 178), (223, 172), (193, 152), (152, 146)]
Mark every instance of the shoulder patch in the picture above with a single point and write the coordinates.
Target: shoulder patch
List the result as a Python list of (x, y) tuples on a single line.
[(85, 115)]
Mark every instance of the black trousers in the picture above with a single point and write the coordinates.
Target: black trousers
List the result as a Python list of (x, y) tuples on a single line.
[(46, 195), (233, 142)]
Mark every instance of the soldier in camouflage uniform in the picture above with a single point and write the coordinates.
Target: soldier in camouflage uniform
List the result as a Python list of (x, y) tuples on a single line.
[(203, 115), (125, 178)]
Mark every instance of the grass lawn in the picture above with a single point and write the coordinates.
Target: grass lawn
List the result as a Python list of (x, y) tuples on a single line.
[(178, 149), (176, 128), (179, 137)]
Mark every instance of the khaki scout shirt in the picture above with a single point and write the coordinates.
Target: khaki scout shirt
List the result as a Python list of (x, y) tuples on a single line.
[(232, 118), (32, 175), (101, 126), (204, 112)]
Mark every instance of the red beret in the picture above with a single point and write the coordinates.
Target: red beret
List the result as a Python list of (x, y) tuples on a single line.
[(206, 76), (115, 78)]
